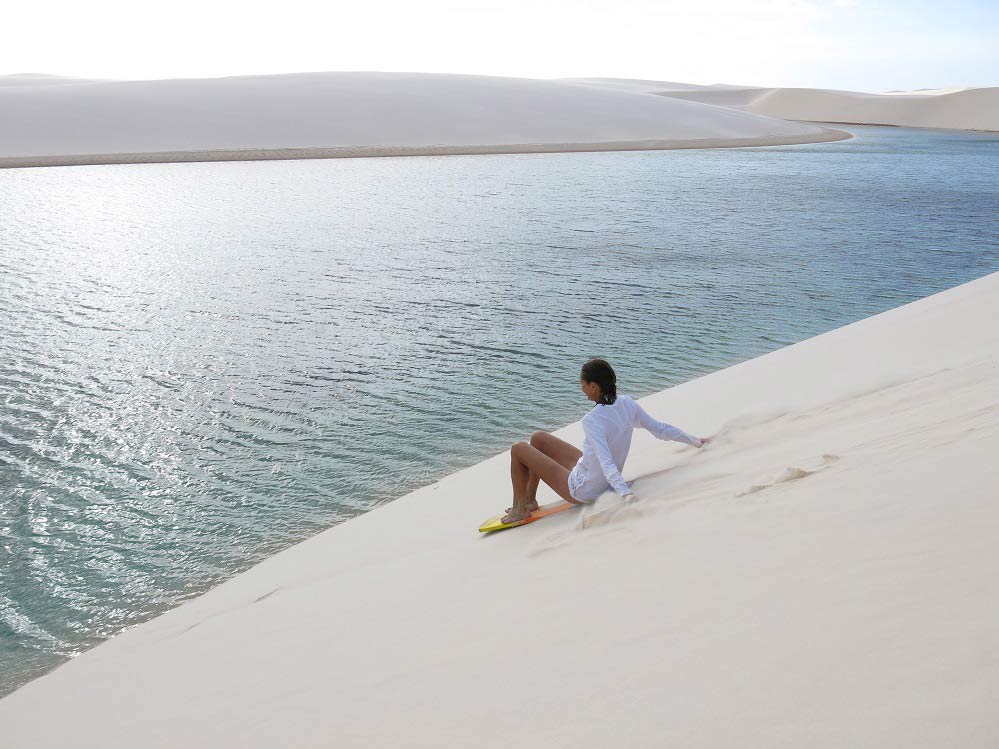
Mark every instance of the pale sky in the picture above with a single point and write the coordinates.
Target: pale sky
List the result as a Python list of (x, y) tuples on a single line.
[(867, 45)]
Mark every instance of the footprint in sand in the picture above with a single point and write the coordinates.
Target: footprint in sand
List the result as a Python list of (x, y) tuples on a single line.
[(265, 596), (792, 473), (618, 513)]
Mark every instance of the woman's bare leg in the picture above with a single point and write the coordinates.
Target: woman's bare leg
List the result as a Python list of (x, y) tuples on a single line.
[(525, 460), (561, 451), (558, 449)]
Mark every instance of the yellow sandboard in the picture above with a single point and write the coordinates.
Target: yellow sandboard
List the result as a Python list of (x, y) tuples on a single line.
[(496, 524)]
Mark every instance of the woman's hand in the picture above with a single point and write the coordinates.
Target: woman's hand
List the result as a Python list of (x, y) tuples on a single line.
[(629, 498)]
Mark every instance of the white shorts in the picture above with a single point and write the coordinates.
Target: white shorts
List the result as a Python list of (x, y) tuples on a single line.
[(584, 487)]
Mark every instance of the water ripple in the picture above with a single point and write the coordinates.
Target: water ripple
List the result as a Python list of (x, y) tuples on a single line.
[(201, 364)]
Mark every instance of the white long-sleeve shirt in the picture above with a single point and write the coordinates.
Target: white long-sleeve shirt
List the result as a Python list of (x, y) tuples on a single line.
[(607, 433)]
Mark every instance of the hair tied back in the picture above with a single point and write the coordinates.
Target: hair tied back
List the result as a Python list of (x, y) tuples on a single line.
[(602, 373)]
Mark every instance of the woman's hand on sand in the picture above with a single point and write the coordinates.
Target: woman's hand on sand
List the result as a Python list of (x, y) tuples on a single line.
[(629, 497), (704, 441)]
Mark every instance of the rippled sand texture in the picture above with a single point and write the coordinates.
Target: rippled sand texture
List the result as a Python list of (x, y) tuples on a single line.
[(821, 575), (202, 364), (331, 115)]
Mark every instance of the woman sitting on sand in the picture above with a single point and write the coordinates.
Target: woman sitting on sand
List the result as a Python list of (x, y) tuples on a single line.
[(607, 429)]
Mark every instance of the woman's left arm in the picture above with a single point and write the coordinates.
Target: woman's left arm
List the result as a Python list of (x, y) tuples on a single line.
[(661, 430)]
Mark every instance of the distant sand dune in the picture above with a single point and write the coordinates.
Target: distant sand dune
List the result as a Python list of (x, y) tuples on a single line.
[(954, 108), (39, 79), (648, 86), (51, 121)]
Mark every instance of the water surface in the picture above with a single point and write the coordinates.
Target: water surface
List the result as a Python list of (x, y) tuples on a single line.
[(201, 364)]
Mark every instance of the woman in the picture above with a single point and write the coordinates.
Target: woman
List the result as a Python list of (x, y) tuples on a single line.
[(607, 429)]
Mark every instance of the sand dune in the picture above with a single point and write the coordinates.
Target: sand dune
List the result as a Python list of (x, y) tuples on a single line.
[(39, 79), (647, 86), (928, 91), (967, 109), (823, 574), (954, 108), (355, 114)]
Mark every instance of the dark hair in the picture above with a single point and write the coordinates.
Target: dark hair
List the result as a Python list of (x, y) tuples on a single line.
[(602, 373)]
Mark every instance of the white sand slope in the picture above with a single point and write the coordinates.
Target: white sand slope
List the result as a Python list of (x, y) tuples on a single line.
[(823, 574), (955, 108), (356, 114)]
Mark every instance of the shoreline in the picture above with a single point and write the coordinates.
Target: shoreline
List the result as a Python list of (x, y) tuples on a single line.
[(826, 135), (904, 127), (837, 529)]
